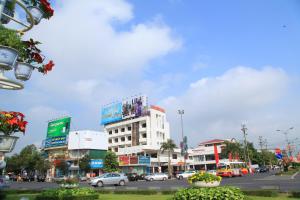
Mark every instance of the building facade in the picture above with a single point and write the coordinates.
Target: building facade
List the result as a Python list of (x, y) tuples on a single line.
[(78, 144)]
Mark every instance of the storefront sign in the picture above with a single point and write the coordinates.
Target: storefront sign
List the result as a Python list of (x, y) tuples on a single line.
[(133, 160), (123, 160), (144, 160), (96, 164)]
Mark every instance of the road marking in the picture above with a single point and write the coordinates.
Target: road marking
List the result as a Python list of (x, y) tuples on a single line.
[(270, 187), (294, 175)]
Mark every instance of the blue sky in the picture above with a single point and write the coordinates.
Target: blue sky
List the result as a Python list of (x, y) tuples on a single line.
[(224, 62)]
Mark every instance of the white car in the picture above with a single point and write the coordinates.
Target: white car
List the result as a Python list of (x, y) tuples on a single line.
[(185, 174), (109, 179), (156, 177)]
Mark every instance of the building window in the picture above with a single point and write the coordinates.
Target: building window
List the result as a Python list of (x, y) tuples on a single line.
[(129, 128), (110, 132), (144, 135), (109, 140), (116, 149), (123, 139), (116, 139), (116, 130), (190, 157), (109, 149), (122, 129), (210, 157), (144, 125), (174, 156), (154, 155), (129, 138)]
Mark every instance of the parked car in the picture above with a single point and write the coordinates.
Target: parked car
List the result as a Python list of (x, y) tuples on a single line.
[(142, 176), (83, 178), (41, 178), (185, 174), (132, 176), (109, 179), (156, 177), (263, 169)]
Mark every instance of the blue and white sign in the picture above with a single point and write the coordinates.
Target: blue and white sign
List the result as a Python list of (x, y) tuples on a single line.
[(144, 160), (55, 141), (96, 164), (111, 113)]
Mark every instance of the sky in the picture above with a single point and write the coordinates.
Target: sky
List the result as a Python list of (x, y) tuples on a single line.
[(226, 63)]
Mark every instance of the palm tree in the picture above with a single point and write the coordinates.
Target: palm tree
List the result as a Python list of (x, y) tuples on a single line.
[(168, 146)]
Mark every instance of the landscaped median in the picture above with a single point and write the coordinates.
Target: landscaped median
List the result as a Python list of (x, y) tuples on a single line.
[(87, 194)]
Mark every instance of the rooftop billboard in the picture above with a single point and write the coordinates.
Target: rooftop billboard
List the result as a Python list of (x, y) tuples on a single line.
[(57, 132), (128, 108), (59, 127)]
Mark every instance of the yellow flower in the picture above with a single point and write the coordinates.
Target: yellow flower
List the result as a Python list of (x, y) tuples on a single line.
[(8, 115)]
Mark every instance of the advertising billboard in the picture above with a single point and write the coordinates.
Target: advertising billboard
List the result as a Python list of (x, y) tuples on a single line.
[(96, 164), (56, 141), (133, 160), (111, 113), (128, 108), (134, 107), (59, 127), (123, 160)]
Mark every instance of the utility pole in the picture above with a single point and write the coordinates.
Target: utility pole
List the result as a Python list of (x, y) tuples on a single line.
[(244, 130), (261, 143), (181, 112)]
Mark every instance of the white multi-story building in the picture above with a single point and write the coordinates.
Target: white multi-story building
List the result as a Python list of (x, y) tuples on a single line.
[(139, 138)]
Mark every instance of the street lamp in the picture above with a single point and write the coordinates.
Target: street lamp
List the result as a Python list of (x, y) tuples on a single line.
[(181, 113), (286, 132), (244, 130)]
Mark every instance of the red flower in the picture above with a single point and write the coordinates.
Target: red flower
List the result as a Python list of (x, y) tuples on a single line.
[(48, 67), (37, 57)]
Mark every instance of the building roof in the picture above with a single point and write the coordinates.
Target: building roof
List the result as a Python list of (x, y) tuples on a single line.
[(212, 141)]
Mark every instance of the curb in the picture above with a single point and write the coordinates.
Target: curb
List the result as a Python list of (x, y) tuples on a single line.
[(294, 175)]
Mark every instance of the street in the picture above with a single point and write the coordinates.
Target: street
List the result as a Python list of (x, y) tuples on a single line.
[(250, 182)]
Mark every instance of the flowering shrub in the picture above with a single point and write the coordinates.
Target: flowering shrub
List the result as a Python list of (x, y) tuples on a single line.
[(219, 193), (67, 194), (11, 122), (44, 5), (204, 177)]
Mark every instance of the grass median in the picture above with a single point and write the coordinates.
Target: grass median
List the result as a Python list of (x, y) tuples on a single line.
[(144, 197)]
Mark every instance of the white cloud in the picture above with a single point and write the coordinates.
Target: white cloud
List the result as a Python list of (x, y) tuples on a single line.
[(216, 106)]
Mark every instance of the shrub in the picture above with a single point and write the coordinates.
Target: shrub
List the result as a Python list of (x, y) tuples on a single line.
[(2, 194), (68, 194), (140, 192), (220, 193), (204, 177), (295, 194), (167, 192), (261, 193)]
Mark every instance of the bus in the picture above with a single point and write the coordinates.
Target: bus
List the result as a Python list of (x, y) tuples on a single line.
[(230, 169)]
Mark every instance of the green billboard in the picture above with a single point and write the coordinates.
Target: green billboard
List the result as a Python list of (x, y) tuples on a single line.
[(59, 127)]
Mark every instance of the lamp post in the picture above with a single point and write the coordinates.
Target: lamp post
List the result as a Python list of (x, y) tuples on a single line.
[(286, 132), (181, 112)]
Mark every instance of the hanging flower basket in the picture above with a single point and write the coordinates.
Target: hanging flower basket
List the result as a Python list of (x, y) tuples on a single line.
[(8, 57), (39, 9), (12, 122), (23, 71), (9, 9), (36, 13), (7, 143)]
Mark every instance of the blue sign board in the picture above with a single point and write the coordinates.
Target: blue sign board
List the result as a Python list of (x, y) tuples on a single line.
[(55, 141), (96, 164), (279, 156), (111, 113), (144, 160)]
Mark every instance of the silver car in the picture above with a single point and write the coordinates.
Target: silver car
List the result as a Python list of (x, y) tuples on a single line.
[(156, 177), (109, 179)]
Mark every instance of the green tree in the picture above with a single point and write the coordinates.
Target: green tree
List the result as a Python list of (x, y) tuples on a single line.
[(84, 163), (111, 162), (168, 146), (233, 148)]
